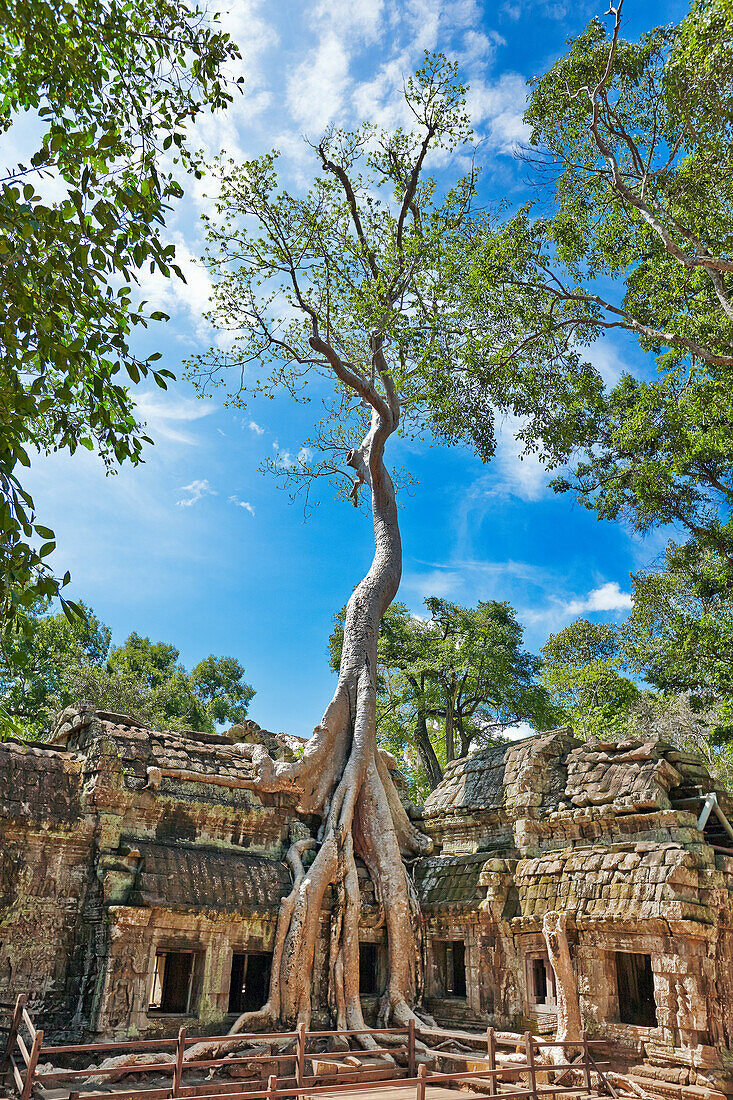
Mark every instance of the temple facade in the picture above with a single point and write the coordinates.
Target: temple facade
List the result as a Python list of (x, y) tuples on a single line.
[(141, 874)]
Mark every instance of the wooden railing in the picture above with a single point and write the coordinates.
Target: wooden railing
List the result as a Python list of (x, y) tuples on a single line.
[(23, 1072), (295, 1083)]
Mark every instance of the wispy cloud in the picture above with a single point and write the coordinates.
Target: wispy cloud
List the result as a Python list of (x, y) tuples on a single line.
[(255, 427), (242, 504), (197, 490), (164, 414)]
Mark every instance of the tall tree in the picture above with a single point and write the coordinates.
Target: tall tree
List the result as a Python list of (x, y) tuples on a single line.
[(630, 232), (347, 290), (115, 86), (679, 635)]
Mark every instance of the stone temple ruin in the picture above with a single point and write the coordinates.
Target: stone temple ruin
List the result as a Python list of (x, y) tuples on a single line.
[(141, 875)]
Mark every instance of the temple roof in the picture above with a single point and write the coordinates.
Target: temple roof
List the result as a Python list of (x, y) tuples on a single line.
[(184, 877)]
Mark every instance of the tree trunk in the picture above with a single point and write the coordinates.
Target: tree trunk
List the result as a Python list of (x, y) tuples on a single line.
[(426, 752), (449, 744), (342, 778), (569, 1023)]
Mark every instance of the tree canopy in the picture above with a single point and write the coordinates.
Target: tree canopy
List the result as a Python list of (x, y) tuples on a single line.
[(113, 87), (630, 232), (582, 671), (53, 662)]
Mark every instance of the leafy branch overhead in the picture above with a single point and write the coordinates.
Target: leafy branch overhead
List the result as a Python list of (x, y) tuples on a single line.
[(300, 279), (115, 87)]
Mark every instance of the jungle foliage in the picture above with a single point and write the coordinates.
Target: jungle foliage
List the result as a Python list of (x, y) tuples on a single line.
[(53, 662)]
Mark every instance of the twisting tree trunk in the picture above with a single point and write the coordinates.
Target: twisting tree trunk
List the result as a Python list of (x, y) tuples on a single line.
[(343, 777)]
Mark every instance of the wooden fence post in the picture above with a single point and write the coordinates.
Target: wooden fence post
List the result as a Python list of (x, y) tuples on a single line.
[(422, 1072), (271, 1086), (300, 1061), (491, 1048), (32, 1063), (529, 1048), (178, 1068), (14, 1025), (586, 1062), (411, 1047)]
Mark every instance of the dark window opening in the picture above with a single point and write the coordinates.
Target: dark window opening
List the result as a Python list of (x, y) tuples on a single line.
[(450, 957), (541, 980), (173, 982), (250, 981), (369, 969), (635, 990)]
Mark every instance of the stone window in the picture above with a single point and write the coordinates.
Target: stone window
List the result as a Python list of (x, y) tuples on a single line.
[(371, 976), (250, 981), (450, 959), (175, 981), (540, 981), (635, 989)]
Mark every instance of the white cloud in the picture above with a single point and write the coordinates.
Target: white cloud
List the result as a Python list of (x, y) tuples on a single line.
[(520, 731), (305, 454), (197, 490), (163, 413), (513, 11), (254, 427), (438, 582), (317, 87), (242, 504), (515, 473), (496, 110), (607, 597), (360, 19)]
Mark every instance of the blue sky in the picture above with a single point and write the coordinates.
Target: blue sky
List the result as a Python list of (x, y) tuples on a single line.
[(196, 547)]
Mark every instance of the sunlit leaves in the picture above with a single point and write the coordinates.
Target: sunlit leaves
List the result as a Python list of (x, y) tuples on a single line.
[(113, 84)]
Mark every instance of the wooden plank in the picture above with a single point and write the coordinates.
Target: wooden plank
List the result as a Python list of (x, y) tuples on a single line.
[(411, 1048), (360, 1031), (126, 1044), (258, 1036), (32, 1063), (586, 1063), (491, 1048), (178, 1071), (29, 1024), (421, 1075), (133, 1094), (300, 1059), (22, 1048), (13, 1030), (529, 1048), (17, 1077)]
